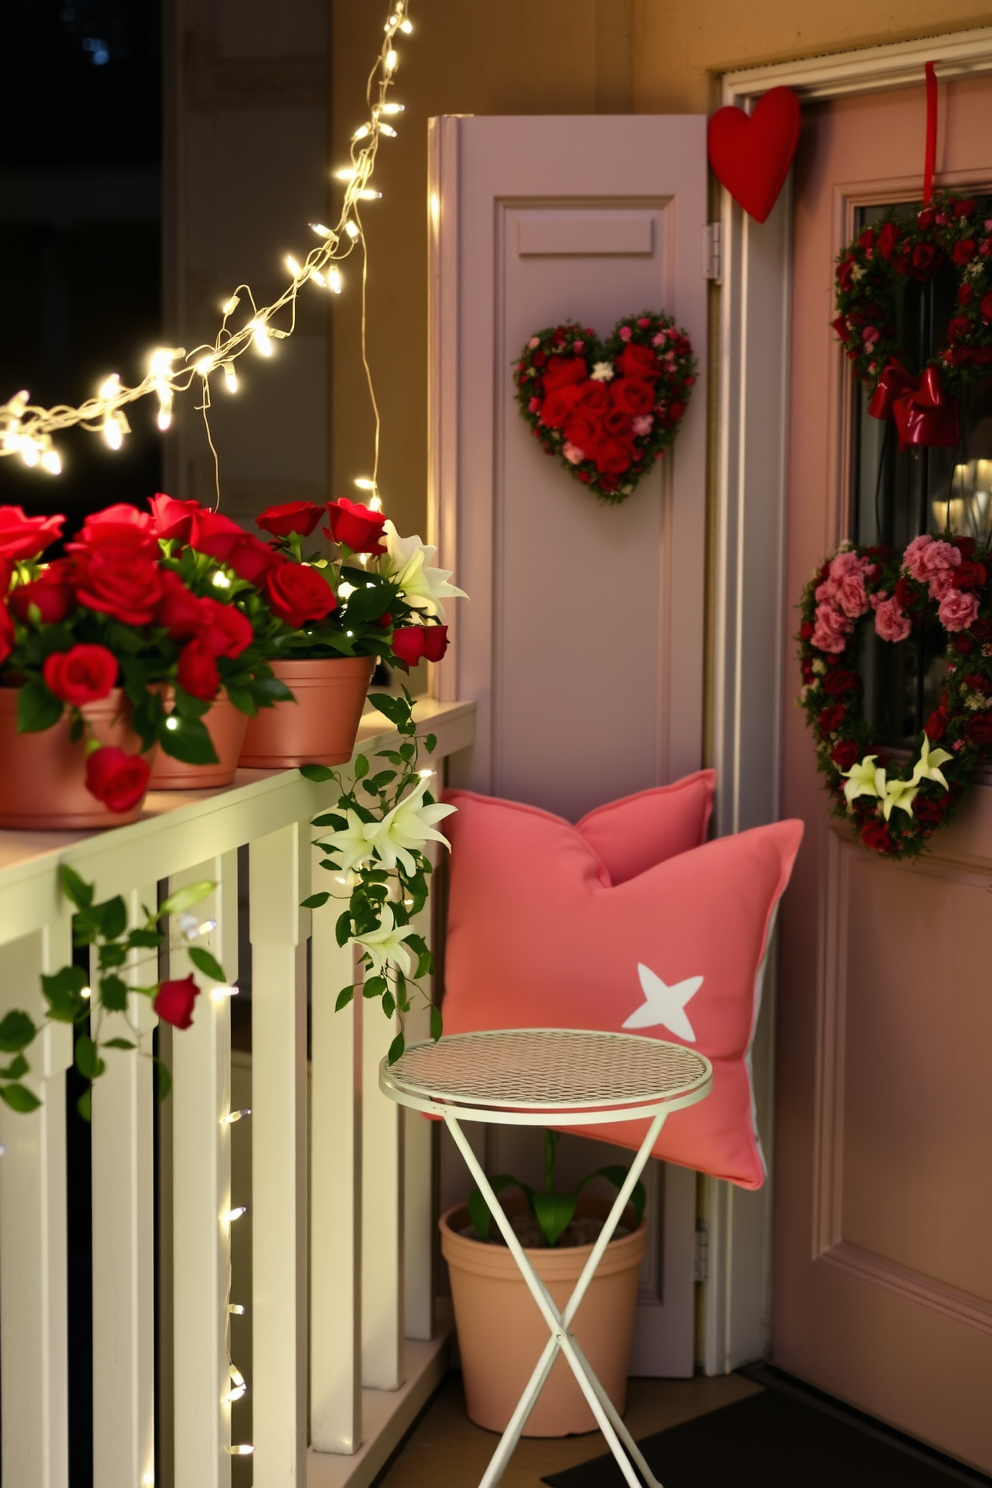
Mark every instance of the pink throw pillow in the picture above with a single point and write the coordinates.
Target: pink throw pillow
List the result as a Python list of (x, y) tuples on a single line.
[(541, 935)]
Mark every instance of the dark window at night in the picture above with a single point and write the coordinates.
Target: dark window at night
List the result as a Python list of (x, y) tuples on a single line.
[(896, 495), (80, 232)]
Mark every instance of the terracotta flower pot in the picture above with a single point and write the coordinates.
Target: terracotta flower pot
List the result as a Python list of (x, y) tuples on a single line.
[(321, 726), (226, 727), (501, 1334), (43, 775)]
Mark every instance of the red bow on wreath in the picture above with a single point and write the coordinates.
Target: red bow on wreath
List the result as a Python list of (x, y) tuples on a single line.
[(923, 412)]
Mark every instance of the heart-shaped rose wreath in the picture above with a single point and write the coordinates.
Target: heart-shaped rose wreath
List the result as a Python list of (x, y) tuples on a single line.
[(607, 409), (892, 803)]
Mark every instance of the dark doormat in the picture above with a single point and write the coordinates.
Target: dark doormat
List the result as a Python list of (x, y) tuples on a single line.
[(778, 1439)]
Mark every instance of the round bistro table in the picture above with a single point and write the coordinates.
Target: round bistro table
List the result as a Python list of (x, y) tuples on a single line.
[(553, 1077)]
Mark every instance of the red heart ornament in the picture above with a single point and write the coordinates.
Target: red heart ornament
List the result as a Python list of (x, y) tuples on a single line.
[(751, 153), (607, 409)]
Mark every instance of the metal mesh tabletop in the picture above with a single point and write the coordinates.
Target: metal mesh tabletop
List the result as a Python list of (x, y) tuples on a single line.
[(548, 1068)]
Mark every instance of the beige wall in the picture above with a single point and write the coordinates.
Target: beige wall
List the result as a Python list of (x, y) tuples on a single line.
[(532, 56)]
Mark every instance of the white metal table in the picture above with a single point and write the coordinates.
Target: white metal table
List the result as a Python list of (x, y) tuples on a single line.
[(553, 1077)]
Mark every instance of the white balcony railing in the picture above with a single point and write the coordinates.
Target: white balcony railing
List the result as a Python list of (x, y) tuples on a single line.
[(344, 1351)]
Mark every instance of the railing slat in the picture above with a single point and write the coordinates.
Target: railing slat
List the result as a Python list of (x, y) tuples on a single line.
[(124, 1250), (335, 1203), (280, 875), (382, 1211), (418, 1165), (33, 1344), (201, 1196)]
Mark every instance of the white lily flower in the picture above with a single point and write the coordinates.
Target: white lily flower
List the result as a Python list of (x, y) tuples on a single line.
[(406, 562), (354, 843), (862, 779), (386, 943), (928, 764), (901, 794), (409, 825)]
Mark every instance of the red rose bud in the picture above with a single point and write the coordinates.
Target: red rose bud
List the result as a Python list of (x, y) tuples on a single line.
[(806, 629), (435, 642), (226, 631), (51, 594), (969, 574), (120, 523), (174, 1002), (297, 592), (834, 683), (561, 370), (876, 836), (214, 534), (638, 361), (359, 528), (197, 672), (612, 458), (117, 779), (979, 729), (632, 395), (831, 718), (83, 674), (118, 579), (7, 633), (964, 251), (558, 406), (844, 755), (251, 559), (172, 519), (301, 517), (675, 412), (26, 537), (408, 643), (888, 235), (178, 610), (593, 397), (927, 811), (925, 259), (936, 725)]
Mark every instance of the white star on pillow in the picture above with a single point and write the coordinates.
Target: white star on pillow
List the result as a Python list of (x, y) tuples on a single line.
[(665, 1005)]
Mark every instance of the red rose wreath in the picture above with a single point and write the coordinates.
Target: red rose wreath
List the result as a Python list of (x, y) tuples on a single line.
[(894, 806), (607, 409), (946, 231)]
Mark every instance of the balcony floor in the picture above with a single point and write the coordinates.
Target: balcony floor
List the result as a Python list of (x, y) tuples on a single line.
[(447, 1448)]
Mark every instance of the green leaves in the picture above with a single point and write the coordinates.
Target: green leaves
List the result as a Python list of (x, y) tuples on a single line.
[(316, 901), (75, 889), (19, 1098), (17, 1030), (343, 998), (37, 707), (553, 1213), (209, 965), (88, 1062), (63, 993), (437, 1025), (113, 993), (396, 1049), (397, 709), (185, 898), (319, 773), (190, 742)]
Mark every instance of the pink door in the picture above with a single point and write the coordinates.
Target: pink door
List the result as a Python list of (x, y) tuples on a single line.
[(882, 1273)]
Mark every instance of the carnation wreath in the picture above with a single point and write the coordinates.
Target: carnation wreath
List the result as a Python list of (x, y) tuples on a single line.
[(946, 231), (894, 805), (609, 409)]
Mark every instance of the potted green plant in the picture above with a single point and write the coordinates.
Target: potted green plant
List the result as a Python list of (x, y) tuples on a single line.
[(501, 1334)]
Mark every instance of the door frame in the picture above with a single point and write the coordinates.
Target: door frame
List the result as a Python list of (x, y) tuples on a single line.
[(752, 610)]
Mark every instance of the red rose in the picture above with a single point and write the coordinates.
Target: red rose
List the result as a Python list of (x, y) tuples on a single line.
[(83, 674), (408, 643), (963, 207), (925, 259), (631, 395), (359, 528), (867, 239), (875, 834), (969, 574), (435, 642), (806, 629), (561, 370), (844, 271), (251, 559), (925, 218), (612, 457), (965, 294), (964, 251), (619, 425), (841, 327), (965, 546), (174, 1002), (197, 671), (26, 537), (979, 729), (936, 725), (845, 754), (302, 517), (50, 593), (226, 630), (584, 430), (638, 361), (981, 629), (888, 235), (118, 579), (594, 397), (927, 811), (7, 633), (987, 307), (214, 534), (558, 405), (120, 523), (172, 519), (297, 593), (906, 593), (835, 683), (957, 326), (675, 412), (975, 682), (962, 645), (178, 610), (831, 717), (117, 779)]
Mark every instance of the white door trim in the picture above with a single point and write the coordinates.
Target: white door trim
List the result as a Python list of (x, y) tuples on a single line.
[(753, 612)]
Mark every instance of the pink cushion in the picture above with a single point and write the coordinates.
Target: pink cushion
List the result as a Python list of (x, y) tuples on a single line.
[(540, 935), (638, 831)]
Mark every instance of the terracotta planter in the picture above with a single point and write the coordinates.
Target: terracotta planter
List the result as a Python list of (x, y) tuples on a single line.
[(321, 726), (43, 775), (226, 727), (501, 1334)]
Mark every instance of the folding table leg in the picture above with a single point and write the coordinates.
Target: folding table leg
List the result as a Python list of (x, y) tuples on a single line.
[(599, 1403)]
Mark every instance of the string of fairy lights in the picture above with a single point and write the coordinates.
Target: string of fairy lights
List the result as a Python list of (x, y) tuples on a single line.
[(27, 430)]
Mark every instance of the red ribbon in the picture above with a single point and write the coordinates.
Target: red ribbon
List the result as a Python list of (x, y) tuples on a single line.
[(930, 158), (923, 412)]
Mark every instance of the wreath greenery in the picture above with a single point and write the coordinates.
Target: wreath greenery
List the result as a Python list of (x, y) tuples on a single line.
[(894, 805), (946, 231), (607, 409)]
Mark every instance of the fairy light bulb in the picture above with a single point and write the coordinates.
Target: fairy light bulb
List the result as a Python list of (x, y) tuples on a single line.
[(110, 387), (231, 305), (261, 337), (318, 278), (244, 1450), (30, 452), (229, 1120), (230, 377), (367, 194), (364, 484), (392, 108), (234, 1394), (406, 26), (293, 266), (51, 462), (352, 229), (204, 366), (389, 62), (387, 129), (164, 405), (335, 282), (233, 1214), (113, 431), (376, 502), (362, 132), (346, 173), (321, 230)]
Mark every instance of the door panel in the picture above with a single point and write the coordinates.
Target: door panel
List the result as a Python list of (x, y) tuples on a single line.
[(882, 1269)]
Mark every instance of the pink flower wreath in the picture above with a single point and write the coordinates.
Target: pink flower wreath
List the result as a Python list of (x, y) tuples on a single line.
[(892, 804)]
